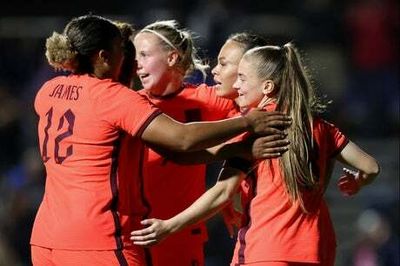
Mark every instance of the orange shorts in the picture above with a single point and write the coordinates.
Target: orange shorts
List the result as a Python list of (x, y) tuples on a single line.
[(53, 257)]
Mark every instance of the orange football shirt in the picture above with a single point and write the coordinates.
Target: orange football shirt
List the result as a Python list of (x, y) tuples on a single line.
[(169, 188), (89, 200), (276, 230)]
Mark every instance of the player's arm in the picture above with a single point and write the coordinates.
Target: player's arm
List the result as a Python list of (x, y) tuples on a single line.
[(367, 168), (265, 147), (168, 133), (204, 207)]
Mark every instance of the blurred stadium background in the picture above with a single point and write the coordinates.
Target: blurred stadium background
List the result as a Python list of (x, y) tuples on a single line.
[(351, 49)]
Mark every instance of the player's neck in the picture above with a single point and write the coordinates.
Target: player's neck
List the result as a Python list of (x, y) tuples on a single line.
[(167, 92), (173, 87)]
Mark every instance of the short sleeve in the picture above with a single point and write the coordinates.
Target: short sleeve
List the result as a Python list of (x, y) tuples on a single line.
[(125, 109), (335, 139)]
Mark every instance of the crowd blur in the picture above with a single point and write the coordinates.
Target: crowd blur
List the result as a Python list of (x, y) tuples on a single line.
[(352, 49)]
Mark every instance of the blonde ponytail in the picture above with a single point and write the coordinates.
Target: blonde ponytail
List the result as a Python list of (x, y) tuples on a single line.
[(296, 97)]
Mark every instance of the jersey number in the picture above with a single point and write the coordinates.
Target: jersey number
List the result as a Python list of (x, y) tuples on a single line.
[(67, 117)]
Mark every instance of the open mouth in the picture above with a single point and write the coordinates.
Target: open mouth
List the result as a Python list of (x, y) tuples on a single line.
[(217, 85), (143, 76), (217, 82)]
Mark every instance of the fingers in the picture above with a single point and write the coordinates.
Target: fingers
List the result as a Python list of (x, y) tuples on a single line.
[(142, 232), (150, 235), (346, 181), (270, 146), (144, 237), (344, 184), (147, 243), (145, 231), (347, 184), (148, 221), (278, 120), (277, 116), (277, 145), (276, 125), (268, 130), (273, 140), (262, 121), (272, 153)]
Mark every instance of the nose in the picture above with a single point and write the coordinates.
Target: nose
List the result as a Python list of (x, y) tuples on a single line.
[(214, 70), (236, 85), (138, 64)]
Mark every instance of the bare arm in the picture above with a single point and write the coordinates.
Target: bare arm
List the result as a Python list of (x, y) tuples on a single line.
[(165, 132), (367, 166), (267, 147), (204, 207)]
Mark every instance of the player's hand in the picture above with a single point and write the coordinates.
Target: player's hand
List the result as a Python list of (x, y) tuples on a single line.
[(269, 146), (350, 183), (267, 123), (154, 233), (232, 219)]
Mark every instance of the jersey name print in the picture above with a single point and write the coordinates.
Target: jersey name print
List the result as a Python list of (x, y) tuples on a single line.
[(66, 92)]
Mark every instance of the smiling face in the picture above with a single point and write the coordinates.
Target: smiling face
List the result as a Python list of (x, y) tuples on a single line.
[(248, 85), (225, 72), (153, 66)]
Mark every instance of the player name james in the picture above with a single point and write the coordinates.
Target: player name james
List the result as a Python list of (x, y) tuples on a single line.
[(66, 92)]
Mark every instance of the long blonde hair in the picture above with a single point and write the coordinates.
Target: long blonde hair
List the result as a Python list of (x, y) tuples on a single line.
[(295, 96)]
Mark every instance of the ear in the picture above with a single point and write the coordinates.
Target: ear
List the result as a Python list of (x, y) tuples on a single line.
[(173, 57), (103, 56), (268, 87)]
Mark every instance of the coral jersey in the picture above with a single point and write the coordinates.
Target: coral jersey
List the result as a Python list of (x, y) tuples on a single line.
[(89, 201), (170, 188), (276, 230)]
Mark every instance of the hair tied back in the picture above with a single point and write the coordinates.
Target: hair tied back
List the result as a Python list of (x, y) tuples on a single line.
[(60, 52)]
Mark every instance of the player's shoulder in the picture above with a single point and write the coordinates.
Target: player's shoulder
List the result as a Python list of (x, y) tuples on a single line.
[(321, 123), (143, 92), (72, 79), (98, 88), (56, 79), (324, 129), (202, 91), (204, 88)]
